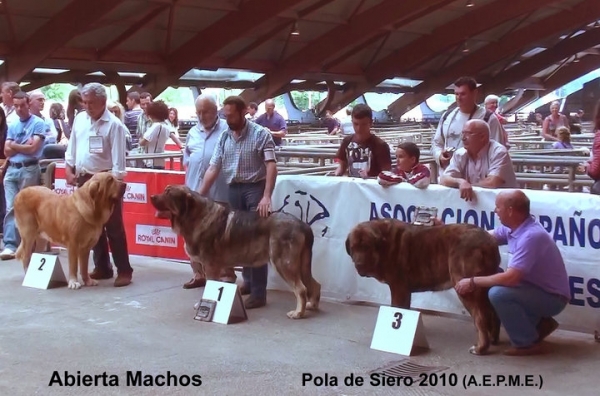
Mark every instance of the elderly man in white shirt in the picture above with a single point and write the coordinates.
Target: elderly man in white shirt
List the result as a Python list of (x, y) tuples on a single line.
[(200, 145), (97, 144), (448, 135), (480, 162)]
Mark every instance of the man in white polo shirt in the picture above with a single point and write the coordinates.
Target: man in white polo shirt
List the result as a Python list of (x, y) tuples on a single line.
[(97, 144)]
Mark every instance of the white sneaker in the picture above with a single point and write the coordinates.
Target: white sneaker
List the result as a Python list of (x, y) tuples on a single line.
[(7, 254)]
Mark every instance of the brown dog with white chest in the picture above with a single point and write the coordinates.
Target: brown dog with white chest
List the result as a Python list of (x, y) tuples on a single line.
[(74, 221), (412, 258)]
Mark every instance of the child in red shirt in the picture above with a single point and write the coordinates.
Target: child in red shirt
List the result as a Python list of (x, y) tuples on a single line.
[(407, 169)]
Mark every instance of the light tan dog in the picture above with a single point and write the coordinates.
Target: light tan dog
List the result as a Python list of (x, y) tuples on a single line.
[(73, 221)]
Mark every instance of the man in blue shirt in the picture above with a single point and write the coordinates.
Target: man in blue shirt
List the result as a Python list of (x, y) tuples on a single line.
[(273, 121), (23, 149)]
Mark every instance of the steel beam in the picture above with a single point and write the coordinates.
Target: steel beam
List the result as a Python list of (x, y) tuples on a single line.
[(69, 22), (359, 27)]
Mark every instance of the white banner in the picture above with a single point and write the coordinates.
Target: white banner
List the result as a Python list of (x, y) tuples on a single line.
[(332, 206)]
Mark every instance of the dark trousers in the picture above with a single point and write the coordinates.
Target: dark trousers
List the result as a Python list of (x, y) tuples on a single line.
[(113, 234), (246, 196)]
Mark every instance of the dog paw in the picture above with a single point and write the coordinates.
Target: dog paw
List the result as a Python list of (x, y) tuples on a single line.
[(73, 284), (295, 315), (90, 282), (312, 306)]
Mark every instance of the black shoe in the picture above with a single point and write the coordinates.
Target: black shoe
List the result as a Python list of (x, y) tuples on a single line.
[(99, 274), (255, 302), (245, 289)]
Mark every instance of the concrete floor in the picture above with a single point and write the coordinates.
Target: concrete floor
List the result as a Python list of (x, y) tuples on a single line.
[(149, 326)]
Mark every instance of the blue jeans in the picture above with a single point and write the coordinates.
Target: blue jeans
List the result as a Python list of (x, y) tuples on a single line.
[(246, 196), (15, 180), (520, 309)]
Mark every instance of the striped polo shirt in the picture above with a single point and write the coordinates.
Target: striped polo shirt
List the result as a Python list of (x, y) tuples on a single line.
[(243, 160)]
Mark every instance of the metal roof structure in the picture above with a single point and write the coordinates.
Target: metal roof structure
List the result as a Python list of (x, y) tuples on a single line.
[(346, 47)]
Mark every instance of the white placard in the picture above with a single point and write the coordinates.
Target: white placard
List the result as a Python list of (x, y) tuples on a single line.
[(44, 270), (229, 305), (398, 330)]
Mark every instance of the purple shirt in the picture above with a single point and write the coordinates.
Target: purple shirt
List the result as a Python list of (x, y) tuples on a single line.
[(275, 123), (533, 251)]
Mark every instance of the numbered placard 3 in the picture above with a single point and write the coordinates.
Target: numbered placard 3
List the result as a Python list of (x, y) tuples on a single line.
[(44, 272), (398, 331), (229, 307)]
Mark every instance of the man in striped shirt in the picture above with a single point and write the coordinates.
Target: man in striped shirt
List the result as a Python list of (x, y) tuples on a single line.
[(245, 154)]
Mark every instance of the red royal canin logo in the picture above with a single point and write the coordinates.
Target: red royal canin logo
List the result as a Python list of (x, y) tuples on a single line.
[(155, 231)]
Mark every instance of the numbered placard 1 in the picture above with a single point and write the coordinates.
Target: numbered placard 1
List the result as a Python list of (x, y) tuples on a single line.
[(229, 307), (398, 331), (44, 272)]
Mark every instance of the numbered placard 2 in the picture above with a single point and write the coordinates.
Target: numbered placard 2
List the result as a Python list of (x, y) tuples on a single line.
[(229, 307), (398, 331), (44, 272)]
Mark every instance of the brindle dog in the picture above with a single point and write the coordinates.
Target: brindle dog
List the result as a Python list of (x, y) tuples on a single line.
[(411, 258), (219, 237)]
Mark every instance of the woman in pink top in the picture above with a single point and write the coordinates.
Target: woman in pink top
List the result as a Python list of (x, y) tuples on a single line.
[(554, 121)]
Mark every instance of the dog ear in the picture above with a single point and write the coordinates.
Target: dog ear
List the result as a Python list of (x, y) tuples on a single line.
[(94, 187), (348, 245), (85, 203)]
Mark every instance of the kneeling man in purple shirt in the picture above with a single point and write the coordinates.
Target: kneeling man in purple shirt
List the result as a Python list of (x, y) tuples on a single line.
[(535, 286)]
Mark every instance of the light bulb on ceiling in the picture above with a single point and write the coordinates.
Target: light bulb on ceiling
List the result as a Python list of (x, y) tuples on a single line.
[(469, 4), (296, 31)]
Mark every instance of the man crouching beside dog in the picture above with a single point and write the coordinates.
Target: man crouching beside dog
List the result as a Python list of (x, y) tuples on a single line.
[(97, 144), (535, 286)]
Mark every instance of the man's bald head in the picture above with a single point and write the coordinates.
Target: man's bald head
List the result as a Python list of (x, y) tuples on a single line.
[(37, 99), (36, 95), (515, 199), (477, 126), (269, 106), (206, 100), (206, 110), (475, 135)]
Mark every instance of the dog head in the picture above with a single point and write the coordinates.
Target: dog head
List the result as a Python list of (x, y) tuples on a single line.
[(96, 199), (368, 244), (174, 202)]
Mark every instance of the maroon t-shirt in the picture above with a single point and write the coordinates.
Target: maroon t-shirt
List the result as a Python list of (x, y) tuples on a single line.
[(373, 155)]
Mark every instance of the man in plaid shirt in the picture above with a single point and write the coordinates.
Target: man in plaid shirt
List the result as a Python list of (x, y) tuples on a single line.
[(245, 154)]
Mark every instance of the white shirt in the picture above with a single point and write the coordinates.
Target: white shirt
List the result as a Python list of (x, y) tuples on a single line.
[(449, 133), (492, 160), (50, 132), (112, 134), (10, 114), (346, 126), (157, 135)]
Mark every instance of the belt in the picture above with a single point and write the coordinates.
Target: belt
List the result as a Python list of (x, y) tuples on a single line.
[(23, 164), (246, 183), (87, 174)]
